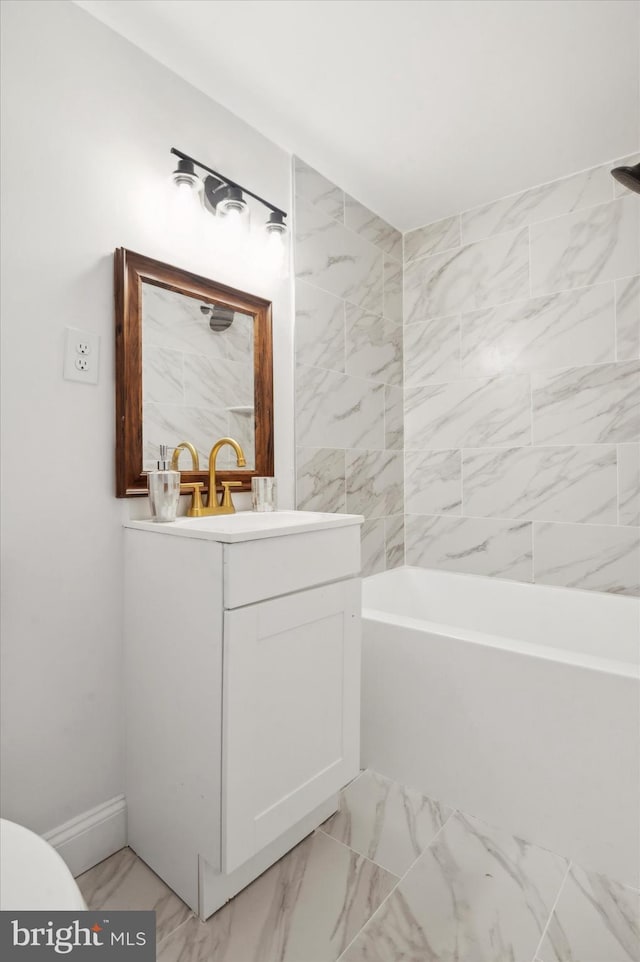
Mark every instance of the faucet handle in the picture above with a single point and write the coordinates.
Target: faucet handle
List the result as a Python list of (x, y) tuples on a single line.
[(226, 495), (196, 508)]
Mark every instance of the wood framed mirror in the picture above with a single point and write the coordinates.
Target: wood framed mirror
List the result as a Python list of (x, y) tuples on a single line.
[(194, 362)]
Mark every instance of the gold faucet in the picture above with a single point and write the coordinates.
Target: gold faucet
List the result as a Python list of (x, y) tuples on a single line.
[(226, 506), (196, 508), (185, 446)]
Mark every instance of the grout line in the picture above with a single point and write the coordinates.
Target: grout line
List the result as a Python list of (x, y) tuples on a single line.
[(522, 521), (508, 447), (517, 300), (315, 207), (398, 883), (527, 225), (503, 375), (615, 319), (178, 927), (553, 908), (547, 183), (339, 841)]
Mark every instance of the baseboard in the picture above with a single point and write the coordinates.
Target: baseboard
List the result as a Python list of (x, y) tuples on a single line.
[(93, 836)]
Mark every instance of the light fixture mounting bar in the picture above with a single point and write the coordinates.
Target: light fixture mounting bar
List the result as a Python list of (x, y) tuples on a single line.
[(227, 181)]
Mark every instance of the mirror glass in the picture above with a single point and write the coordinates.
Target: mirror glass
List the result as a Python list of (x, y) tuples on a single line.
[(194, 362), (197, 377)]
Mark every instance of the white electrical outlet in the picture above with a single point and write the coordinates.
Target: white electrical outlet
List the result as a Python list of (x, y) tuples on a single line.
[(81, 356)]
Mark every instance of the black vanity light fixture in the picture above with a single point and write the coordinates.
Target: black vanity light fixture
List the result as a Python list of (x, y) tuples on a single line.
[(223, 196)]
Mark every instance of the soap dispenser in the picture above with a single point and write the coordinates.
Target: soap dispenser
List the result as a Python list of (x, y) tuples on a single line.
[(164, 489)]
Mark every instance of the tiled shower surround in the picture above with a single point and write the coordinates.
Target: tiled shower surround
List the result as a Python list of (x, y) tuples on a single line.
[(521, 381), (349, 395), (522, 387)]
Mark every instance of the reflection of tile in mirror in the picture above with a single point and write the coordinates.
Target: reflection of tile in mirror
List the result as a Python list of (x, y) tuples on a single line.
[(240, 427), (176, 322), (162, 375), (170, 424), (192, 375), (216, 383)]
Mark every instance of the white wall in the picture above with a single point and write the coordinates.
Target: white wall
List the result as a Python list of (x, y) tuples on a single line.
[(88, 122)]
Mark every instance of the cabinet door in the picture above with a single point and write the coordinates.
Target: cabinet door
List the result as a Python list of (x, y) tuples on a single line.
[(291, 712)]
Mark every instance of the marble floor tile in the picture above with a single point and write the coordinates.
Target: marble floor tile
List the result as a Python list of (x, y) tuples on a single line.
[(123, 881), (475, 895), (305, 908), (595, 920), (389, 824)]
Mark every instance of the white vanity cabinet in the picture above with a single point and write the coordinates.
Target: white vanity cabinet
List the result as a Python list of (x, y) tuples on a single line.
[(242, 662)]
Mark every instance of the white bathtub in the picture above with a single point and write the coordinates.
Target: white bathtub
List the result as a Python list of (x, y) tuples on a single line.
[(517, 703)]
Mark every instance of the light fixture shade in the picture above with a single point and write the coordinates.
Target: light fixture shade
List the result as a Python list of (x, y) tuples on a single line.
[(232, 203), (276, 224), (185, 176)]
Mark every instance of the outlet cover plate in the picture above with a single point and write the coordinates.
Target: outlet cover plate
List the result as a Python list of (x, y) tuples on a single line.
[(81, 356)]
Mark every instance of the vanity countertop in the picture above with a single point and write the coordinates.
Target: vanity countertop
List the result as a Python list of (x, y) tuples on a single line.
[(248, 525)]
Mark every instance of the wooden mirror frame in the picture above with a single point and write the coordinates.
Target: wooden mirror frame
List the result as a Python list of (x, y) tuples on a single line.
[(131, 271)]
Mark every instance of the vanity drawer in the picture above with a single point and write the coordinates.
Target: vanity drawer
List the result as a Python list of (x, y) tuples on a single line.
[(257, 570)]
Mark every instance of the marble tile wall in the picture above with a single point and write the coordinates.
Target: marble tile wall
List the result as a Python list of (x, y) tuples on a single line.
[(522, 387), (349, 362), (197, 383)]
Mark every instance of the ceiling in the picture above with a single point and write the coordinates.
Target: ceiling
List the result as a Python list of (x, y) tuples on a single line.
[(419, 108)]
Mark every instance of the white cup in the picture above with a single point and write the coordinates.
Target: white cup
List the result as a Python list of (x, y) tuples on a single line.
[(263, 494)]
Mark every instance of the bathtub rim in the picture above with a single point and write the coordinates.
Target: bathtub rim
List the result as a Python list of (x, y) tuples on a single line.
[(614, 666)]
